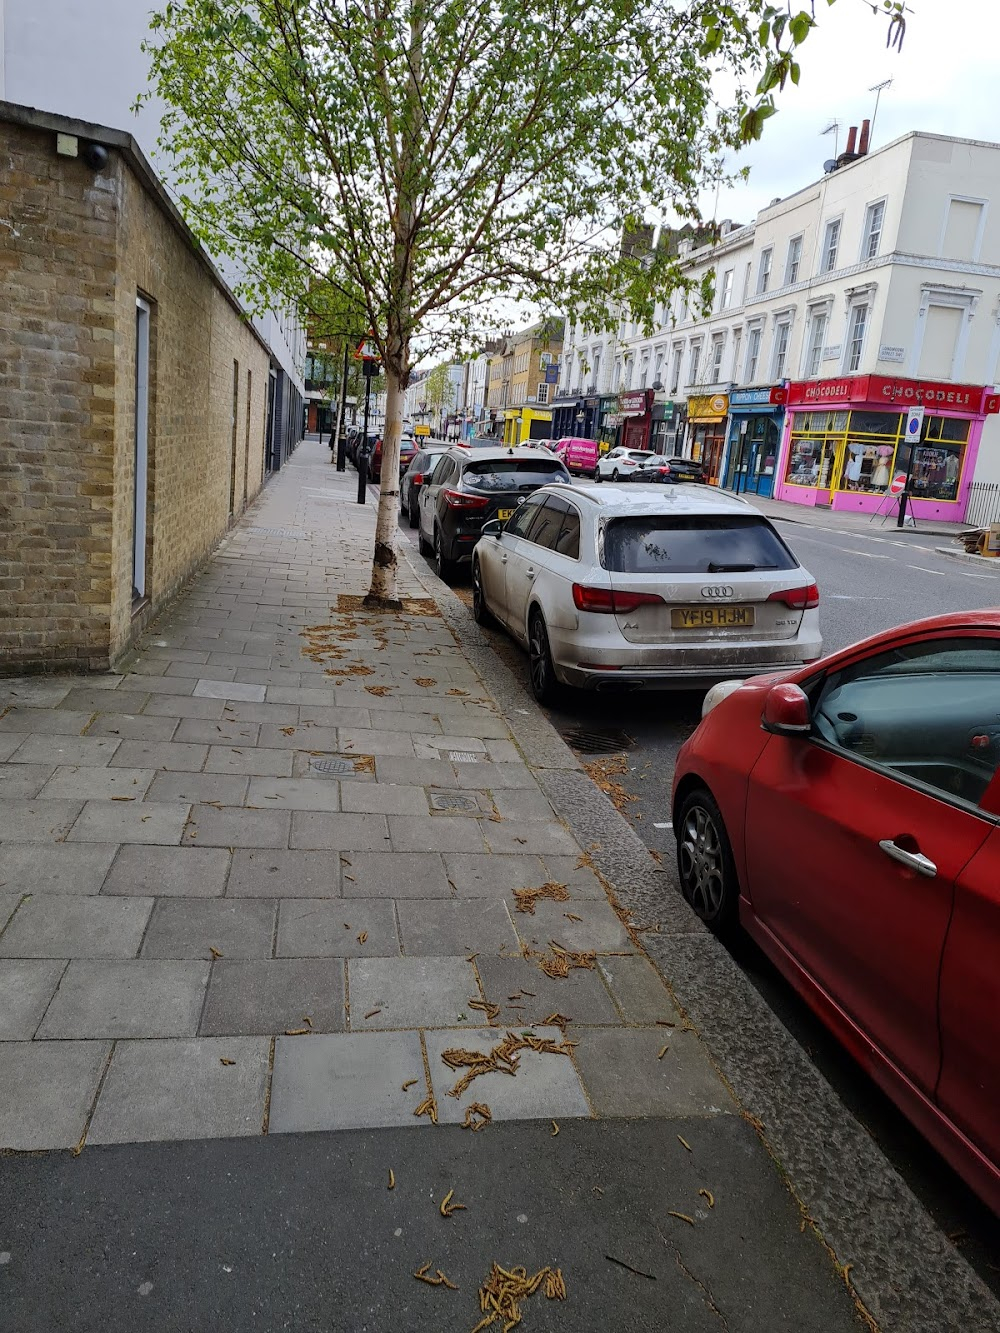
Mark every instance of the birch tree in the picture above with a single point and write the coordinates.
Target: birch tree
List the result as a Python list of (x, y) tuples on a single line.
[(425, 159)]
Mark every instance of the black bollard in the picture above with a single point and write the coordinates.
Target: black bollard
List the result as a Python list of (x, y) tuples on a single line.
[(362, 475)]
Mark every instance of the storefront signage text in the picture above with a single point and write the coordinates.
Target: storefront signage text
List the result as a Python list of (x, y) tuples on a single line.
[(751, 397), (708, 407), (632, 404), (894, 392)]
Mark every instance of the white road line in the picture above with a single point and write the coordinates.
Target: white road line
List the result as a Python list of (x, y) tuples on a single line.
[(869, 555), (667, 825), (924, 570)]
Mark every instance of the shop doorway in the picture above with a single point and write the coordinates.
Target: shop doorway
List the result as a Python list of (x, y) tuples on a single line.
[(752, 457)]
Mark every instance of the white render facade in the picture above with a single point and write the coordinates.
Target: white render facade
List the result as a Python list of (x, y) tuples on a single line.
[(887, 268)]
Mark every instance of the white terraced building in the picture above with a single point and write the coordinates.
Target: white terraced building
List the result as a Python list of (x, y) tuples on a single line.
[(873, 291)]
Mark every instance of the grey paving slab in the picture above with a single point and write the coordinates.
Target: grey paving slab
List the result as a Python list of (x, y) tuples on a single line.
[(522, 803), (437, 833), (346, 1081), (267, 997), (172, 654), (581, 996), (181, 872), (309, 737), (167, 755), (232, 827), (55, 750), (624, 1077), (442, 747), (195, 788), (579, 879), (36, 691), (434, 926), (181, 1089), (46, 1092), (191, 671), (493, 776), (489, 875), (240, 660), (384, 798), (51, 925), (143, 997), (294, 794), (544, 1087), (347, 833), (142, 822), (599, 929), (45, 722), (192, 928), (323, 928), (128, 727), (394, 875), (10, 742), (39, 820), (274, 873), (89, 700), (503, 752), (75, 782), (165, 685), (217, 733), (519, 835), (264, 762), (276, 715), (327, 715), (415, 772), (309, 694), (23, 781), (172, 705), (638, 990), (26, 987), (29, 867), (414, 724), (363, 740), (8, 903), (219, 689), (411, 992)]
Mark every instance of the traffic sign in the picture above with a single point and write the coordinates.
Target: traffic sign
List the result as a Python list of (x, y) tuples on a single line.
[(366, 350), (914, 423), (898, 484)]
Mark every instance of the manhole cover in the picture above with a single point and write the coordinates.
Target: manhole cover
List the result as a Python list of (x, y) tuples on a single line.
[(335, 767), (453, 800), (276, 532), (598, 742), (463, 757)]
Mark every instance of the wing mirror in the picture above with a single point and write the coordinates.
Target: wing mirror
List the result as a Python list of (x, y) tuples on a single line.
[(492, 529), (786, 711)]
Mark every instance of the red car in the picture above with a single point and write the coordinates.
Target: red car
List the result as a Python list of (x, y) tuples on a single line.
[(847, 815)]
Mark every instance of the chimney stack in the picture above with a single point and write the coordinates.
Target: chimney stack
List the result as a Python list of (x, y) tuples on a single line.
[(863, 142), (852, 135)]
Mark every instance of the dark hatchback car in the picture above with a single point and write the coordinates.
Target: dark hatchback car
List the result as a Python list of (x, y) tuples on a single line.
[(667, 470), (471, 486), (416, 475)]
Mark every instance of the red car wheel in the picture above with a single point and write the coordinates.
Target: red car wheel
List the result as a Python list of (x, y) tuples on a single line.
[(705, 862)]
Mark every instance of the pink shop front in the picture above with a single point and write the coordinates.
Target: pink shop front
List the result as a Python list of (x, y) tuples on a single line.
[(845, 440)]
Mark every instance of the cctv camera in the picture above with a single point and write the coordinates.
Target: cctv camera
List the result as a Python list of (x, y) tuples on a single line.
[(95, 155)]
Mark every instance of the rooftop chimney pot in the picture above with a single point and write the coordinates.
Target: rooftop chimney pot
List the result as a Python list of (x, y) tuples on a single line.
[(863, 141), (852, 136)]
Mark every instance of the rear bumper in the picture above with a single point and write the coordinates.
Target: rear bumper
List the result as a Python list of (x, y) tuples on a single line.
[(590, 666)]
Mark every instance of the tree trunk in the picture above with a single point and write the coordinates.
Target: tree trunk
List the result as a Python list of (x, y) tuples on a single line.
[(383, 590)]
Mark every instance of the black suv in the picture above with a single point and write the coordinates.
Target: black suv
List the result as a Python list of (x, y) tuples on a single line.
[(471, 486)]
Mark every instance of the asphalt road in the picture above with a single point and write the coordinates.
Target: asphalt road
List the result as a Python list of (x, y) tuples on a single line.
[(868, 582)]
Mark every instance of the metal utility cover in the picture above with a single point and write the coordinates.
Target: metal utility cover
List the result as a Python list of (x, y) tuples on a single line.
[(463, 757), (453, 800)]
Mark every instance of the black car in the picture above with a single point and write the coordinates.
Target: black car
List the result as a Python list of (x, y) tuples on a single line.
[(416, 475), (667, 470), (471, 486)]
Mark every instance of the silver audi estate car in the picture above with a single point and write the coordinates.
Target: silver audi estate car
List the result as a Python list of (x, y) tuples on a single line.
[(619, 587)]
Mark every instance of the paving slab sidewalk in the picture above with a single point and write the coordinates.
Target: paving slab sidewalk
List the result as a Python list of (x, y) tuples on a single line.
[(263, 881)]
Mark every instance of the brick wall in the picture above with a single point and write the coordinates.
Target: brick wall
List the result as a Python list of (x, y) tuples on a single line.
[(76, 249)]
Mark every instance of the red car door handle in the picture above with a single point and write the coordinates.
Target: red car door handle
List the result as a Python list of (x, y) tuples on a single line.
[(914, 860)]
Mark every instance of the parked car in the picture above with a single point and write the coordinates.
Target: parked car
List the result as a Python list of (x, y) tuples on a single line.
[(848, 817), (578, 454), (416, 475), (668, 471), (619, 463), (408, 446), (471, 486), (626, 589)]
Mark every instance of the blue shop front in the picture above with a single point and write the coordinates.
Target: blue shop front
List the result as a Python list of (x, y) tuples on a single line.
[(755, 420)]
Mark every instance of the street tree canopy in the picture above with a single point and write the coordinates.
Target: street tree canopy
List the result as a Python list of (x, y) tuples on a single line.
[(425, 158)]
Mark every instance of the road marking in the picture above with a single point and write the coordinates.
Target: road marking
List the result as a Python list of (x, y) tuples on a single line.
[(924, 570), (668, 824), (869, 555)]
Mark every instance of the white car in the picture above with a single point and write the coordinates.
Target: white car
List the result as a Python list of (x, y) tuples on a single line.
[(619, 463), (627, 588)]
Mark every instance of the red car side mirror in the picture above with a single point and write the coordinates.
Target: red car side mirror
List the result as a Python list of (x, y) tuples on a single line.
[(786, 711)]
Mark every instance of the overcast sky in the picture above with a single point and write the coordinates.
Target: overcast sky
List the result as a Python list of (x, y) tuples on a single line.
[(944, 82)]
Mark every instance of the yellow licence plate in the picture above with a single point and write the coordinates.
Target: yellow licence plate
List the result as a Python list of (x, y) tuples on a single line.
[(711, 617), (504, 513)]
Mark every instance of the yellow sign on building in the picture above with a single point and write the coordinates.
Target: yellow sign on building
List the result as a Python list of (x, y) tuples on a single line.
[(708, 407)]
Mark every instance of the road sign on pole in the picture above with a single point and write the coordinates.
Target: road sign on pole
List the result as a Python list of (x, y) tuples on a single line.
[(366, 350), (898, 484), (914, 423)]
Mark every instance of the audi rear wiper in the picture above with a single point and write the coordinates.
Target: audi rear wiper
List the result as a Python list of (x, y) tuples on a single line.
[(713, 568)]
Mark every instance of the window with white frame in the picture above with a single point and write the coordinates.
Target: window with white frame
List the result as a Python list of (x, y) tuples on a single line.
[(856, 329), (718, 347), (746, 281), (694, 361), (595, 356), (874, 217), (629, 367), (782, 334), (831, 244), (658, 367), (753, 353), (793, 260), (644, 372), (726, 290), (814, 345), (737, 341), (543, 393), (675, 372), (764, 271), (616, 377)]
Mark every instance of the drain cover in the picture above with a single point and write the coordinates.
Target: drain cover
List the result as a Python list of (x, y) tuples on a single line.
[(598, 742), (336, 767), (463, 757), (453, 800), (276, 532)]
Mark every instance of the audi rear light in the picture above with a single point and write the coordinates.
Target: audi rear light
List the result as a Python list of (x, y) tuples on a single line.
[(417, 479), (608, 601), (799, 599), (462, 500)]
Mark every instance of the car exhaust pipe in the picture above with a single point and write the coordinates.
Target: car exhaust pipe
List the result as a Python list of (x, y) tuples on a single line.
[(618, 686)]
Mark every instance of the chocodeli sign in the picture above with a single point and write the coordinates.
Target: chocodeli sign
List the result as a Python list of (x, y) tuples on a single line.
[(871, 389)]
